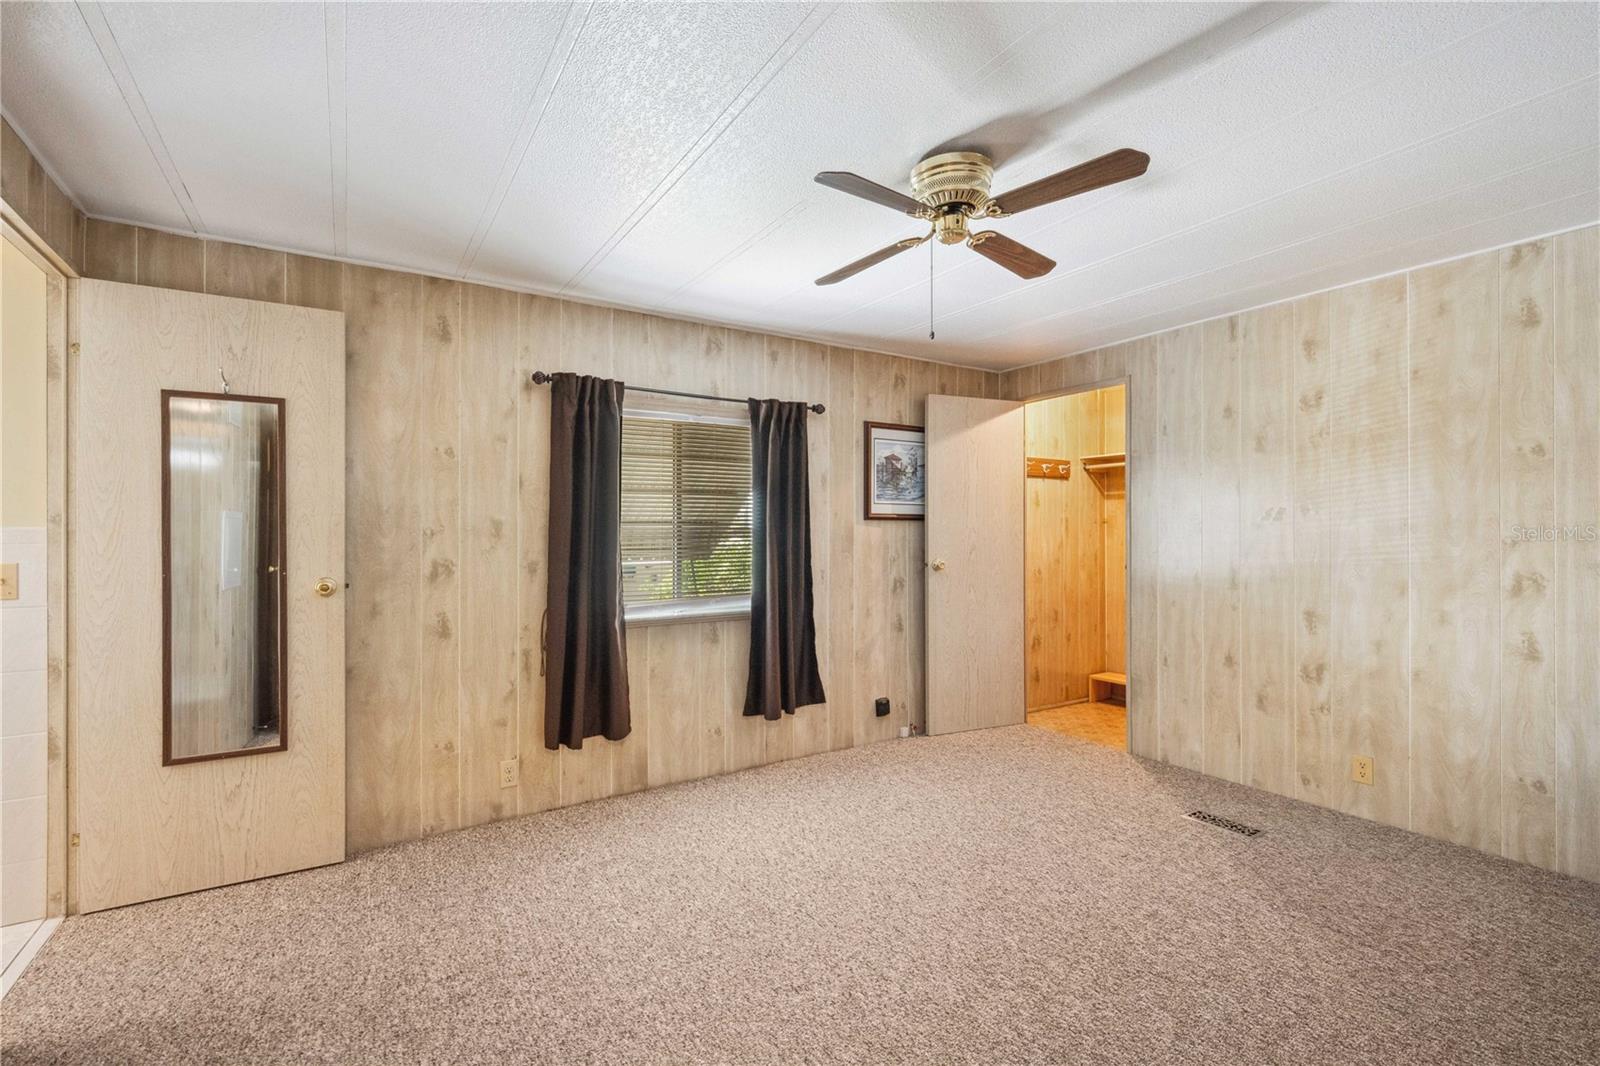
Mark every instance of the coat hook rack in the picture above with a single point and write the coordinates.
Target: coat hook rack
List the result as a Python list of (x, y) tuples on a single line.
[(1053, 469)]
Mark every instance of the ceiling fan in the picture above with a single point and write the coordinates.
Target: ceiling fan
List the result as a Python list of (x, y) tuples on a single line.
[(952, 188)]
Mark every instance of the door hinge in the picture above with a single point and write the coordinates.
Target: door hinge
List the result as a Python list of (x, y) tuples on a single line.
[(75, 839)]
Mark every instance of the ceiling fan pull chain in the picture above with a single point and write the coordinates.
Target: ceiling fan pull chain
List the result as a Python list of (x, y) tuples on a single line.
[(930, 290)]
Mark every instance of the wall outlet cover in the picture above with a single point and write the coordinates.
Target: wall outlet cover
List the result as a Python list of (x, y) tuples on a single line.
[(1361, 769), (508, 773)]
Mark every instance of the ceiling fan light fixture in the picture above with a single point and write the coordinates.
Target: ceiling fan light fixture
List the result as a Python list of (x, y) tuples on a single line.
[(951, 188), (953, 180), (950, 227)]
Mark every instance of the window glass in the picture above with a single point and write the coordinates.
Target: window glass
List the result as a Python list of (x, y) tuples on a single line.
[(685, 507)]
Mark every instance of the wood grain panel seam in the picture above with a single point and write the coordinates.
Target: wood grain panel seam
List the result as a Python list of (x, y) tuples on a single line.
[(420, 620), (1555, 556), (1205, 664), (1295, 597), (1155, 546), (1411, 630), (1239, 586), (460, 520), (516, 451), (1335, 587), (1500, 547)]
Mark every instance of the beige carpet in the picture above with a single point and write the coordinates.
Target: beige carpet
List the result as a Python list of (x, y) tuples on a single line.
[(1008, 896)]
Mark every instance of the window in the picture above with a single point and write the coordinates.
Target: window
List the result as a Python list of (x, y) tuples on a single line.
[(685, 505)]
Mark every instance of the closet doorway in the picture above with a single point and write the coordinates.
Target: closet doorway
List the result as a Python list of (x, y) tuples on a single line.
[(1075, 547), (32, 572)]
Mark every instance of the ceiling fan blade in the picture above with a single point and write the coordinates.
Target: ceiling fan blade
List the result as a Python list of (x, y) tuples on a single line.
[(1108, 169), (1017, 258), (856, 185), (872, 260)]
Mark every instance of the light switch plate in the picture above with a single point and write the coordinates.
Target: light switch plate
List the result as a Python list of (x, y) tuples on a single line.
[(8, 582)]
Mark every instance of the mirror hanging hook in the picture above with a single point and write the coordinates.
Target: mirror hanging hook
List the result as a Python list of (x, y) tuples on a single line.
[(224, 377)]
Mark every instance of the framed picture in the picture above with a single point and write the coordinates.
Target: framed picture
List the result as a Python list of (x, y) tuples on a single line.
[(896, 483)]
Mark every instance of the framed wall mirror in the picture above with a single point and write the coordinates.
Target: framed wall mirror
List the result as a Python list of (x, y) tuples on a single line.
[(225, 644)]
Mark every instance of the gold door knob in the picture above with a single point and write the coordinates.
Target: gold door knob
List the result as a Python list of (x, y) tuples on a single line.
[(326, 587), (938, 564)]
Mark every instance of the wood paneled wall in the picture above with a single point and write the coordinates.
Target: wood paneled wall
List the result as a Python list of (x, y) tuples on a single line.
[(1367, 522), (447, 514), (1330, 563), (38, 201), (1074, 534)]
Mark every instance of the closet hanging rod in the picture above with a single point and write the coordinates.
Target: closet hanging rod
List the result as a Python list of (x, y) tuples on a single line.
[(541, 378)]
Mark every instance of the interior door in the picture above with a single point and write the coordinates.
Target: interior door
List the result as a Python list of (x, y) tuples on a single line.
[(143, 824), (975, 563)]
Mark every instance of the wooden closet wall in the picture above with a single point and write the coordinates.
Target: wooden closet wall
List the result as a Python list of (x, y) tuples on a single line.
[(1076, 549)]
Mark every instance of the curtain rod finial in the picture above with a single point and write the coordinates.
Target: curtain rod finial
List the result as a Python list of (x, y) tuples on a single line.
[(817, 408), (541, 378)]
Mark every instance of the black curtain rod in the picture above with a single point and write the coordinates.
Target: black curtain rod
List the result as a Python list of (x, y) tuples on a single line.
[(541, 378)]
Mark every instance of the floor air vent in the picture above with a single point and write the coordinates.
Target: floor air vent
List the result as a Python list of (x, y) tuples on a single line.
[(1224, 823)]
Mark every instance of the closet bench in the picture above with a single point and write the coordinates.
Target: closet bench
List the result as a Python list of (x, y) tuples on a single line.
[(1107, 680)]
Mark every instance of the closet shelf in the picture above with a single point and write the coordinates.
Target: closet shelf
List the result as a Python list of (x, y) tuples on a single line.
[(1095, 463)]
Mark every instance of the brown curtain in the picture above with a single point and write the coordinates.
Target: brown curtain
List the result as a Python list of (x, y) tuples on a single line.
[(783, 633), (586, 652)]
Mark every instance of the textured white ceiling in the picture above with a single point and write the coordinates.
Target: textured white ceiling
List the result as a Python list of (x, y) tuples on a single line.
[(661, 155)]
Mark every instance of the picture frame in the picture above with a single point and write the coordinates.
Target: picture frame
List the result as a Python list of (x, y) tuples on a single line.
[(894, 479)]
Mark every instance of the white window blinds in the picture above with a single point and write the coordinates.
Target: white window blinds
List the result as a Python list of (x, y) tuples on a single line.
[(685, 505)]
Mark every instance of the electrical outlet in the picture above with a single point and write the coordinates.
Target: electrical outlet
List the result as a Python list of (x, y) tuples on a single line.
[(1361, 769), (508, 773)]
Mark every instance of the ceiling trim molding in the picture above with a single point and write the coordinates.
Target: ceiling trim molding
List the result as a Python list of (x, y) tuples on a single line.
[(791, 46), (94, 17), (573, 23), (333, 24)]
